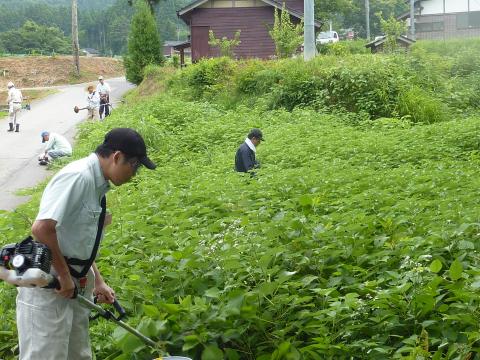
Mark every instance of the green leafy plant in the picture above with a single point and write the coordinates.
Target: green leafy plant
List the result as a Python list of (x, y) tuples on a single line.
[(392, 28), (286, 35), (226, 46)]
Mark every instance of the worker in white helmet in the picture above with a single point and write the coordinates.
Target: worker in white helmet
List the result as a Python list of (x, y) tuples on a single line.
[(14, 100), (103, 90)]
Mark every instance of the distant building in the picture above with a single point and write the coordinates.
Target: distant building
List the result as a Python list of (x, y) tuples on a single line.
[(89, 52), (171, 48), (445, 19), (225, 17), (378, 44)]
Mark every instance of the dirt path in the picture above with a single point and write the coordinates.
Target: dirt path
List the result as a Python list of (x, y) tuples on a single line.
[(19, 151)]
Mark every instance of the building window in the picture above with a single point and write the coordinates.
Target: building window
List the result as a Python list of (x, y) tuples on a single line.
[(427, 27), (474, 19), (462, 21), (468, 20), (438, 26)]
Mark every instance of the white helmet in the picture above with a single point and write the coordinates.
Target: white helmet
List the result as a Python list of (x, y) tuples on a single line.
[(10, 85)]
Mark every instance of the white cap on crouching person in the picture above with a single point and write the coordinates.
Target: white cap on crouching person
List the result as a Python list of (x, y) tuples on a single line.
[(100, 77), (10, 85)]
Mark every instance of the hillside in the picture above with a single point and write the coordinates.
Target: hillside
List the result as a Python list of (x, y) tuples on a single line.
[(35, 71)]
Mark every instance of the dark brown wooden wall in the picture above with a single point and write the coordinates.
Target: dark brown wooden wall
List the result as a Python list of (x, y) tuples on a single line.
[(253, 22)]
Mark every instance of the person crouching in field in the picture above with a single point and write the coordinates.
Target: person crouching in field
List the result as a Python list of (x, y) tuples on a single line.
[(245, 160), (14, 101), (93, 104), (57, 146)]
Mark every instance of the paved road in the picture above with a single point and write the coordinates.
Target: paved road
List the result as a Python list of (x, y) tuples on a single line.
[(19, 151)]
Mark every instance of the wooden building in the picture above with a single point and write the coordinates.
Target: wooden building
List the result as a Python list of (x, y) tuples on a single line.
[(254, 18), (445, 19)]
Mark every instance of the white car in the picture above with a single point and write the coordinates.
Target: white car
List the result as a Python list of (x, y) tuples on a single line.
[(327, 37)]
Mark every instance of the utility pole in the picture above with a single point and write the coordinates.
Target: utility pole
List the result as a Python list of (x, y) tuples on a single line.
[(367, 16), (309, 49), (412, 19), (75, 46)]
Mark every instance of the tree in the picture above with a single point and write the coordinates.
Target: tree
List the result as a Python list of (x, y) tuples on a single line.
[(144, 47), (34, 38), (286, 36), (224, 44), (392, 28), (151, 4)]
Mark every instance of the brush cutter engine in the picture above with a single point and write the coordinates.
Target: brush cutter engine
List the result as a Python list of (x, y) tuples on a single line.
[(26, 264)]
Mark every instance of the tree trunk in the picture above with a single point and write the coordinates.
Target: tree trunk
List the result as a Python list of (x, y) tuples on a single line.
[(75, 46)]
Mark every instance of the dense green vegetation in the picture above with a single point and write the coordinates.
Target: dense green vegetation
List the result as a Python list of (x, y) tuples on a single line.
[(357, 239), (32, 38)]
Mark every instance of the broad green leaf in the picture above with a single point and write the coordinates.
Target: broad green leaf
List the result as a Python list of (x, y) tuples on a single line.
[(456, 270), (212, 352), (232, 354), (151, 311), (436, 266), (212, 292)]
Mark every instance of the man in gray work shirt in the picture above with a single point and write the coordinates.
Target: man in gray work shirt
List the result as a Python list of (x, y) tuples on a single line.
[(50, 324)]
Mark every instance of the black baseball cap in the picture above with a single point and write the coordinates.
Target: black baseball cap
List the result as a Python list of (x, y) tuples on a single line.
[(257, 133), (130, 143)]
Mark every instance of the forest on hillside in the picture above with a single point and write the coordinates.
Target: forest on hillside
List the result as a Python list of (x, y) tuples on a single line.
[(103, 25)]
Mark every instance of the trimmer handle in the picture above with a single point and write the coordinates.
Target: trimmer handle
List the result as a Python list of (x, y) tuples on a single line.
[(55, 284), (121, 311), (108, 314)]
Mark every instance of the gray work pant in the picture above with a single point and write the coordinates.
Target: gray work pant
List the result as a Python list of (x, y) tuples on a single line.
[(54, 154), (14, 112), (51, 327)]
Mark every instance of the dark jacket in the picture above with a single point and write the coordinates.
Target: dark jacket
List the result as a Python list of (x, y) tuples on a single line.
[(245, 159)]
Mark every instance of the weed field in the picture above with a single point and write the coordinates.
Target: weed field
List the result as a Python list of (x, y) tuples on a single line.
[(357, 239)]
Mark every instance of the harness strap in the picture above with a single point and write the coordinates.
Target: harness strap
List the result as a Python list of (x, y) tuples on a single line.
[(88, 262)]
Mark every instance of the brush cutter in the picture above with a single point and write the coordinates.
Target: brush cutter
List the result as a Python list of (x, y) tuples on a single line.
[(6, 108), (27, 264), (77, 109)]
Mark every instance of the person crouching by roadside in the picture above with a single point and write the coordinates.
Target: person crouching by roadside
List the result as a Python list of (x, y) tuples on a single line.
[(93, 104), (245, 160), (57, 146)]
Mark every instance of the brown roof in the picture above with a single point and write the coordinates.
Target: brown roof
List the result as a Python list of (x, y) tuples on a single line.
[(381, 39), (299, 15)]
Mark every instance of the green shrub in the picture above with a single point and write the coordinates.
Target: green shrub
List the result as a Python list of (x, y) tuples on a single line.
[(466, 62), (343, 48), (143, 44), (364, 83), (448, 48), (209, 76), (422, 107)]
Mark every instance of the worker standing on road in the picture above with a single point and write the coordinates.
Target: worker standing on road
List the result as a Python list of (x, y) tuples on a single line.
[(14, 101), (93, 104), (103, 90)]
